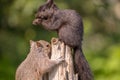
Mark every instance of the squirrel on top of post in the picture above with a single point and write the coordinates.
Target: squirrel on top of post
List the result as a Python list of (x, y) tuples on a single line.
[(69, 26)]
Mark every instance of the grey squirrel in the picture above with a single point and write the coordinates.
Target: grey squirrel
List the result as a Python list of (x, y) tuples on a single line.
[(69, 26), (37, 62)]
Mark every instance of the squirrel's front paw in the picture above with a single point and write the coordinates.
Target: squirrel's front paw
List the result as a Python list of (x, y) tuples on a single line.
[(60, 59)]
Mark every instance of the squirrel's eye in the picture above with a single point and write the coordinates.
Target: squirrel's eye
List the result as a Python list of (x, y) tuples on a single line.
[(45, 18), (47, 45)]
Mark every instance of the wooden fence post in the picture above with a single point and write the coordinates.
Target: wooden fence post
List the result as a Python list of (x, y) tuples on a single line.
[(64, 71)]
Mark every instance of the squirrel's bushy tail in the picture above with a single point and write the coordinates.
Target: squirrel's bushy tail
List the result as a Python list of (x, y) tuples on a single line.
[(81, 65)]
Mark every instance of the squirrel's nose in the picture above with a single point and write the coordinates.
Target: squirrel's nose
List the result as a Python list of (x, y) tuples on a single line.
[(36, 22)]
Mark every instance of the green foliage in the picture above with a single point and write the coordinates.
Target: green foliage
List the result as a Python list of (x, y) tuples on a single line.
[(101, 43)]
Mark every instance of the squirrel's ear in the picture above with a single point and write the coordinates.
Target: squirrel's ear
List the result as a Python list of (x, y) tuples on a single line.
[(54, 6), (49, 3), (39, 44), (31, 42)]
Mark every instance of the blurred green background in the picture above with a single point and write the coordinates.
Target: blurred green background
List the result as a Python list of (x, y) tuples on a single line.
[(101, 43)]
